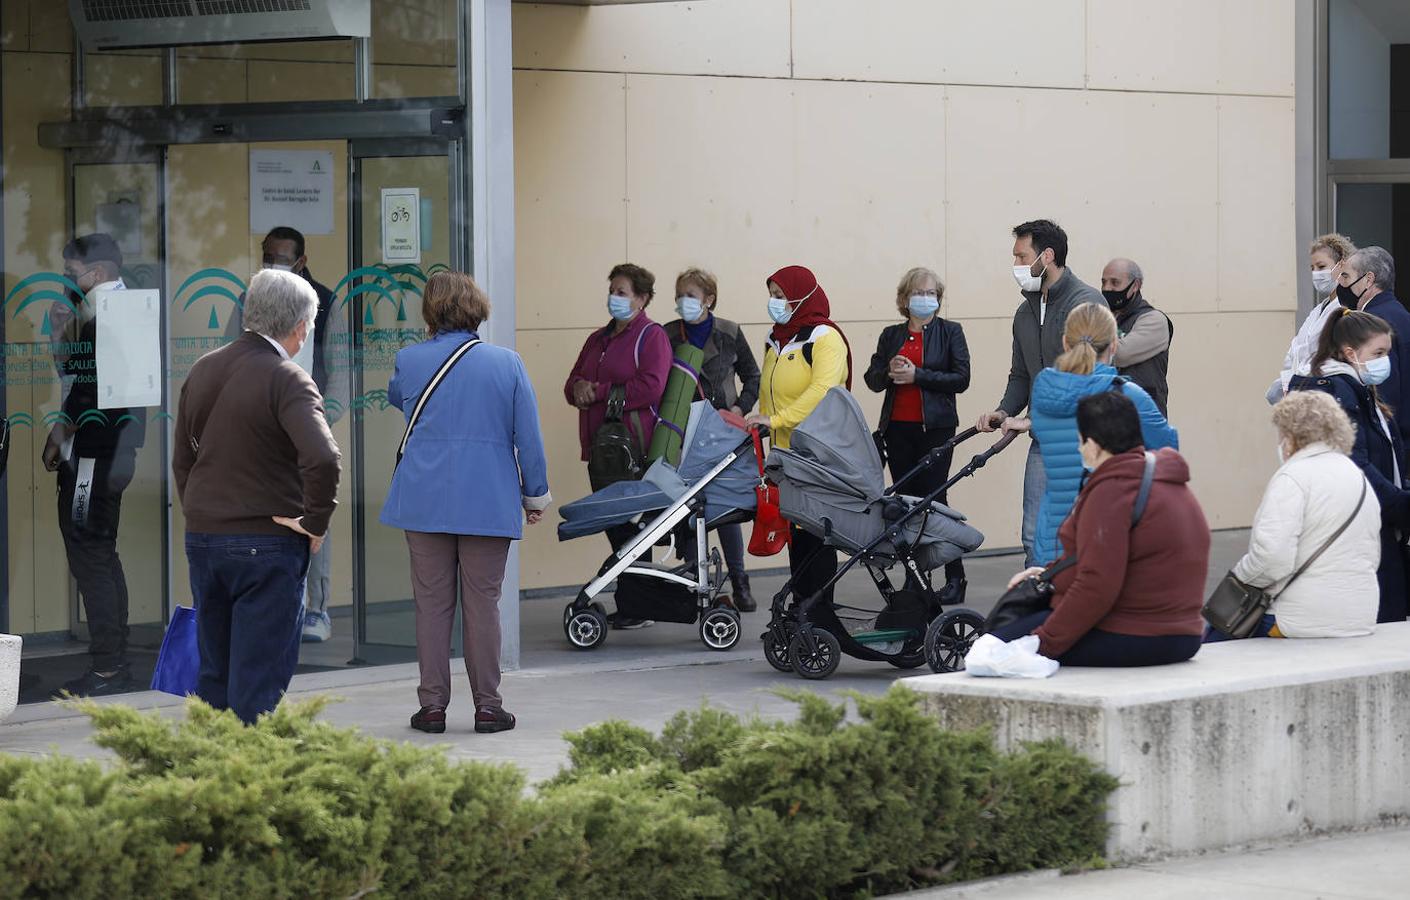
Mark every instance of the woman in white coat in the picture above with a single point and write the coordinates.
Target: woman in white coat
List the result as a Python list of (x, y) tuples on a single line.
[(1311, 496)]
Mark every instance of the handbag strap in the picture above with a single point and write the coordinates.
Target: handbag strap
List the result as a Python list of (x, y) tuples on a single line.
[(430, 389), (1143, 495), (758, 450), (1330, 541)]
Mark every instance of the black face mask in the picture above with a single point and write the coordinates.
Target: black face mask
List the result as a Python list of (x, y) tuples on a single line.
[(1117, 300), (1347, 297)]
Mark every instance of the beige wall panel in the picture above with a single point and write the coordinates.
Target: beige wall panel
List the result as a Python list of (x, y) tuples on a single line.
[(1034, 43), (1257, 204), (1150, 194), (721, 37), (413, 32), (570, 189), (212, 80), (120, 80), (1207, 46), (50, 28), (774, 188), (291, 81), (414, 81), (1220, 410)]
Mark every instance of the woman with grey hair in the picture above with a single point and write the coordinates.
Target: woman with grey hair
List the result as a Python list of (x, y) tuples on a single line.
[(1315, 491)]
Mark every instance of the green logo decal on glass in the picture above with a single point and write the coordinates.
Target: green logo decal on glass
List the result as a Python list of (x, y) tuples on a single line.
[(383, 282), (39, 288), (21, 418), (218, 283)]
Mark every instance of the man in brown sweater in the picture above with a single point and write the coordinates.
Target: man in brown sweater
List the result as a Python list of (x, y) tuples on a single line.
[(257, 473)]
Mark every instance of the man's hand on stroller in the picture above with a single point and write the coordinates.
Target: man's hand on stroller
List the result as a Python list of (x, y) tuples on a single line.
[(1025, 574), (991, 421), (1016, 424)]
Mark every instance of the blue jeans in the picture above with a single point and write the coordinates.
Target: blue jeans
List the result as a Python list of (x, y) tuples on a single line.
[(1213, 635), (248, 590), (1035, 483)]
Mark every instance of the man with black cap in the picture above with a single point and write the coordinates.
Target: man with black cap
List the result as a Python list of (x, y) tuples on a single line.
[(95, 457)]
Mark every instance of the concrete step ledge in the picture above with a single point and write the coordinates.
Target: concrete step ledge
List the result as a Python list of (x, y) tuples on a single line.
[(1250, 741), (10, 646)]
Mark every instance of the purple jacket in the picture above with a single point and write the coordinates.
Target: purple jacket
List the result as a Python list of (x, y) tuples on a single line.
[(640, 359)]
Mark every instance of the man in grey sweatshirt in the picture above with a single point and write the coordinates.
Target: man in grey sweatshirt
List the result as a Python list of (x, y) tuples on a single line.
[(1050, 291)]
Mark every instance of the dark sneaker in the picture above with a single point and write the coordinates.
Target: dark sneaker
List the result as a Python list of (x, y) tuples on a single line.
[(953, 592), (622, 623), (492, 719), (430, 719), (96, 684), (743, 598)]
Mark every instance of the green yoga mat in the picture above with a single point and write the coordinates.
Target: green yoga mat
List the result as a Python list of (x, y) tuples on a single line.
[(682, 389)]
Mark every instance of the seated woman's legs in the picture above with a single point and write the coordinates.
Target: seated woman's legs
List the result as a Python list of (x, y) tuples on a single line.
[(1105, 649), (1264, 628)]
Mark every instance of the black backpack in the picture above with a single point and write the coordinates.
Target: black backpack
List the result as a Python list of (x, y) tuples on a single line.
[(615, 454)]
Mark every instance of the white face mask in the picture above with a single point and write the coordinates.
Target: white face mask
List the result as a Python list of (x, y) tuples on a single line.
[(689, 307), (1027, 281), (1323, 282)]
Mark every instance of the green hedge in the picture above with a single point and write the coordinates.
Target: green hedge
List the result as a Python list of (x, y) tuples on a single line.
[(712, 807)]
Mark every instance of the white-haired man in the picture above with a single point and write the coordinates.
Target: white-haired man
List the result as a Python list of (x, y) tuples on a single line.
[(257, 473)]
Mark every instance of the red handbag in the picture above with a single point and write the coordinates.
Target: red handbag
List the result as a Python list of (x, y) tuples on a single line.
[(770, 534)]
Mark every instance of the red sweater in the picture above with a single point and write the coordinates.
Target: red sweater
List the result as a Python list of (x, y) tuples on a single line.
[(1147, 580)]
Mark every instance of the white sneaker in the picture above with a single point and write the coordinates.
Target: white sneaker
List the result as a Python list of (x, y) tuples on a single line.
[(318, 627)]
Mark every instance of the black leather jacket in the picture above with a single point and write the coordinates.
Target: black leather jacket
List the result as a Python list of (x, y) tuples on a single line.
[(944, 371)]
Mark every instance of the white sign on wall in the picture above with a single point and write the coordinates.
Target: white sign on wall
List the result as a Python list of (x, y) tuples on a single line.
[(292, 188), (127, 348), (401, 225)]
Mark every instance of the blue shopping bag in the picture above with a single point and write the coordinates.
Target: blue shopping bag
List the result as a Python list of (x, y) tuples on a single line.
[(179, 661)]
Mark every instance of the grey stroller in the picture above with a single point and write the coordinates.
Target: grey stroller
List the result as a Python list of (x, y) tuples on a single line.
[(831, 484), (712, 486)]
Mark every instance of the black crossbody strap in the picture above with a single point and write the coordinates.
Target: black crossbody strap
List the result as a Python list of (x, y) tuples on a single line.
[(1330, 541), (430, 389)]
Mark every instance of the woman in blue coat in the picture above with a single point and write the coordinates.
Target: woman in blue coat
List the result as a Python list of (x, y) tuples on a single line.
[(1089, 342), (1353, 356), (473, 468)]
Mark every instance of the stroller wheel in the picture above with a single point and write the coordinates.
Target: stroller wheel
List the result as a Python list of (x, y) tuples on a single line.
[(719, 629), (776, 646), (586, 628), (819, 663), (949, 638)]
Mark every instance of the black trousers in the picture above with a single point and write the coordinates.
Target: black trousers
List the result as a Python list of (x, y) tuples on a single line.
[(1108, 649), (90, 508), (808, 577), (906, 445)]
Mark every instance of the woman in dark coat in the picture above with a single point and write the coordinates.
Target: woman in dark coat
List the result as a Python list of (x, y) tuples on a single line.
[(1353, 357), (921, 364)]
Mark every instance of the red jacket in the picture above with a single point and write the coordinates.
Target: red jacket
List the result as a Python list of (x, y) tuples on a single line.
[(1147, 580), (640, 359)]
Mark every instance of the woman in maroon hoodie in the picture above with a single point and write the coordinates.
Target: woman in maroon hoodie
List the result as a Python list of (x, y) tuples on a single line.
[(1133, 595), (631, 352)]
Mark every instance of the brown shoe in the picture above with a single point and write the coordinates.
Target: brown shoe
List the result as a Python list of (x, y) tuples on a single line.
[(430, 719), (492, 719)]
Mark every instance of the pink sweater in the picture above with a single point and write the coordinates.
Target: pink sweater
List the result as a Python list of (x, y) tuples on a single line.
[(640, 359)]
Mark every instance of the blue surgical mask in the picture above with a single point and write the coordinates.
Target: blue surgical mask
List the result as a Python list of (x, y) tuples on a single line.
[(1376, 371), (779, 311), (620, 307), (689, 307), (923, 306)]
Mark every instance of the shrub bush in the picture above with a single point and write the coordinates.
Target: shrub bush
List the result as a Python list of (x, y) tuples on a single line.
[(712, 807)]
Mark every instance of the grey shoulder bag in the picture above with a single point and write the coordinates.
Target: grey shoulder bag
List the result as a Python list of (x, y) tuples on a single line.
[(1236, 608), (427, 391)]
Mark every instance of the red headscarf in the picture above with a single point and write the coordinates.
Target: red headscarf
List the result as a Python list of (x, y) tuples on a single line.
[(799, 283)]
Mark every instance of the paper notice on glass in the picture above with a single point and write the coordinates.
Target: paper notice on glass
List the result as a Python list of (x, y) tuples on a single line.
[(127, 348), (401, 225)]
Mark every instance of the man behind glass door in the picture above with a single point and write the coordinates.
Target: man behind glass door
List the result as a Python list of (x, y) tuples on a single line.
[(95, 457), (283, 249)]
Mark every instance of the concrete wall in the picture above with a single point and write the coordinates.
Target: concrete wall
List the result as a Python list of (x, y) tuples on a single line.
[(862, 139)]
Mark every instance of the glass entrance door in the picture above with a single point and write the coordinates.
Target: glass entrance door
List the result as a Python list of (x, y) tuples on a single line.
[(401, 235)]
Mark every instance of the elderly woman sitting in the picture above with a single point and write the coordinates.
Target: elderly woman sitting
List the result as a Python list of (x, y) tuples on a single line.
[(1312, 496)]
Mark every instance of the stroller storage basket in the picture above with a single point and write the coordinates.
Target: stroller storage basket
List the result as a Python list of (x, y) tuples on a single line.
[(644, 597)]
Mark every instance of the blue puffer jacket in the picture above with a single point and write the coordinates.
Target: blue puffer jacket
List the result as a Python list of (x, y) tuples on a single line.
[(1054, 414)]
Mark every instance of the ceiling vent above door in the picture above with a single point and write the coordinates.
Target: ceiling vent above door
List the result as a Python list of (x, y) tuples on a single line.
[(107, 24)]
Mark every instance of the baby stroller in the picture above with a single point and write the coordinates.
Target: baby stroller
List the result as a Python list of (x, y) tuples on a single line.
[(713, 486), (831, 485)]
